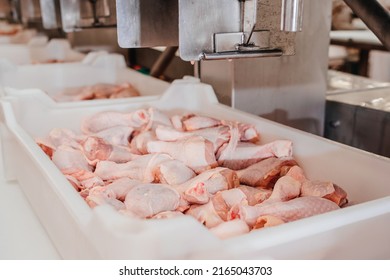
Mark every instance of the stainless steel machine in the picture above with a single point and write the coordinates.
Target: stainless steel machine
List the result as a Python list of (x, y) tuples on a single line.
[(78, 15), (288, 89), (283, 75), (211, 30), (285, 78), (20, 11), (89, 24), (360, 119)]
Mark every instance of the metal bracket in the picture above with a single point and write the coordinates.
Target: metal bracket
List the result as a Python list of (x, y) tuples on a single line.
[(236, 45), (242, 54), (232, 41)]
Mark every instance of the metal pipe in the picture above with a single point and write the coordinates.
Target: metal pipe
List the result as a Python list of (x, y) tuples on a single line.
[(375, 16), (292, 15), (163, 61)]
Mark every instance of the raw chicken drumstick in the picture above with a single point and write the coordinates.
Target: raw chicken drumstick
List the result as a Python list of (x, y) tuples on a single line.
[(73, 164), (113, 194), (147, 169), (147, 200), (139, 142), (318, 188), (195, 152), (142, 168), (242, 155), (288, 211), (58, 137), (104, 120), (200, 188), (216, 135), (266, 172), (96, 149), (206, 214), (255, 195), (117, 135), (157, 118), (192, 122), (70, 159), (222, 202)]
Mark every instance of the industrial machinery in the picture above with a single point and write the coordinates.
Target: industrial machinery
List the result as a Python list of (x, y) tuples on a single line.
[(77, 15), (240, 33), (89, 24), (18, 11), (283, 65)]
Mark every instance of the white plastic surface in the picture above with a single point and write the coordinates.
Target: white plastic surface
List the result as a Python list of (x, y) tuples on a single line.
[(96, 67), (39, 50), (21, 233), (22, 236), (359, 231)]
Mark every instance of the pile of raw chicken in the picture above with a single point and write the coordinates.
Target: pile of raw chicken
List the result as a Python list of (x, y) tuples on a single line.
[(97, 91), (149, 165)]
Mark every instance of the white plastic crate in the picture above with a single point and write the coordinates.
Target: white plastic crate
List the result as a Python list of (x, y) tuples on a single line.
[(359, 231), (96, 67), (20, 37), (39, 50)]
